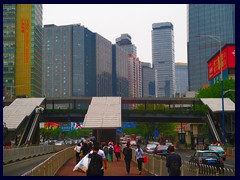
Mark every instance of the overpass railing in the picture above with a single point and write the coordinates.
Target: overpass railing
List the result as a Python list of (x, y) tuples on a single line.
[(51, 166), (156, 165), (14, 154)]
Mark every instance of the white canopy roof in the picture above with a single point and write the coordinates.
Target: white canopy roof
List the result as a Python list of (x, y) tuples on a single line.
[(215, 104), (15, 113), (103, 112)]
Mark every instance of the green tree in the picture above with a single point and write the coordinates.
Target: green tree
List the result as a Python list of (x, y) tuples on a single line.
[(214, 91)]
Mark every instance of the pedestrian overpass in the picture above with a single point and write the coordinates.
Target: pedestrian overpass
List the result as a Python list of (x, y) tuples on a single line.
[(105, 114)]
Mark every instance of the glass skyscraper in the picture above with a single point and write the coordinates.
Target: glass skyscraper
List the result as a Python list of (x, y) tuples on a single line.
[(205, 20), (22, 49), (163, 59), (181, 71)]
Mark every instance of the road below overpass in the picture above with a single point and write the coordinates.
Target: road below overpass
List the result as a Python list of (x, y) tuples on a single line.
[(20, 167)]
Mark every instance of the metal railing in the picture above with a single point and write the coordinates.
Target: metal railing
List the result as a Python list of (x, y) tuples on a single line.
[(14, 154), (51, 166), (156, 165)]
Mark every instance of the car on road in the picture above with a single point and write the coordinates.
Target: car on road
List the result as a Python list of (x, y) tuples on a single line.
[(161, 150), (219, 150), (150, 148), (207, 157)]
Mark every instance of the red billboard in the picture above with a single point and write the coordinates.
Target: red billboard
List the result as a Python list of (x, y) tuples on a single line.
[(228, 61)]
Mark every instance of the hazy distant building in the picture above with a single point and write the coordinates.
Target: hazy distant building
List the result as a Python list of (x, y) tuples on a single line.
[(120, 82), (181, 71), (209, 20), (148, 80), (134, 65), (125, 42), (163, 59), (22, 49)]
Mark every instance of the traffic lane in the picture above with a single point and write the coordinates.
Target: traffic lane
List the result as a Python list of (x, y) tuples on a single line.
[(20, 167)]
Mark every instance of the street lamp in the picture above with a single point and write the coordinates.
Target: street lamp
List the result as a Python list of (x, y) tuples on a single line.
[(217, 38)]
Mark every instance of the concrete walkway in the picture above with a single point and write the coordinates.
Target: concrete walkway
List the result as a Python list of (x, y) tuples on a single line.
[(115, 168)]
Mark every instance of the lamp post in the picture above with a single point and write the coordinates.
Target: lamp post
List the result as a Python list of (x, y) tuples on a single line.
[(217, 38)]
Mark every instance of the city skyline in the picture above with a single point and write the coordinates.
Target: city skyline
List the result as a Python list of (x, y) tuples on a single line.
[(133, 21)]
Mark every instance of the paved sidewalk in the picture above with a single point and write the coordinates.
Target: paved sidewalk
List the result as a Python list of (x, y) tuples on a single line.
[(115, 168)]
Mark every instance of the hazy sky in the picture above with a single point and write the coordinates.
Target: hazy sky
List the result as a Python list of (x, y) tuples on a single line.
[(112, 20)]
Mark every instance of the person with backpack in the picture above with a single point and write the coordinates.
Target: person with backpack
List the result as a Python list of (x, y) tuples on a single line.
[(110, 152), (173, 162), (127, 152), (105, 150), (96, 163)]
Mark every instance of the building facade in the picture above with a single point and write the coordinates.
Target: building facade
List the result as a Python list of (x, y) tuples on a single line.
[(181, 70), (57, 61), (210, 27), (134, 65), (22, 49), (163, 59), (76, 62), (120, 85), (148, 80)]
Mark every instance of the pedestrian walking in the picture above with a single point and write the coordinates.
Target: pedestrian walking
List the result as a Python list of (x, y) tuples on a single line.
[(117, 151), (101, 153), (96, 163), (127, 152), (110, 152), (139, 156), (77, 150), (84, 150), (173, 162), (105, 150)]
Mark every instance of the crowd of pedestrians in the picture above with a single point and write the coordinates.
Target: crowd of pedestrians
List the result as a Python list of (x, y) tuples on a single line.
[(100, 155)]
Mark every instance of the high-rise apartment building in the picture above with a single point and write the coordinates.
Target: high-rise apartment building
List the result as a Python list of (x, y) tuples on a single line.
[(163, 59), (22, 49), (210, 27), (148, 80), (181, 72)]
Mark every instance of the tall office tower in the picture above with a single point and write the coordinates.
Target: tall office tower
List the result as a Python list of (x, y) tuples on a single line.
[(208, 25), (120, 72), (163, 59), (76, 62), (22, 49), (181, 71), (103, 66), (134, 65), (125, 42), (148, 80)]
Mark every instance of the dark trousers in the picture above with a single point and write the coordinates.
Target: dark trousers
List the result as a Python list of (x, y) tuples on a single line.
[(128, 162), (77, 157), (118, 155), (139, 161)]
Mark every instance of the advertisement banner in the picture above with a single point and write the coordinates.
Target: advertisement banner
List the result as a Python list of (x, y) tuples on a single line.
[(66, 127), (228, 61)]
